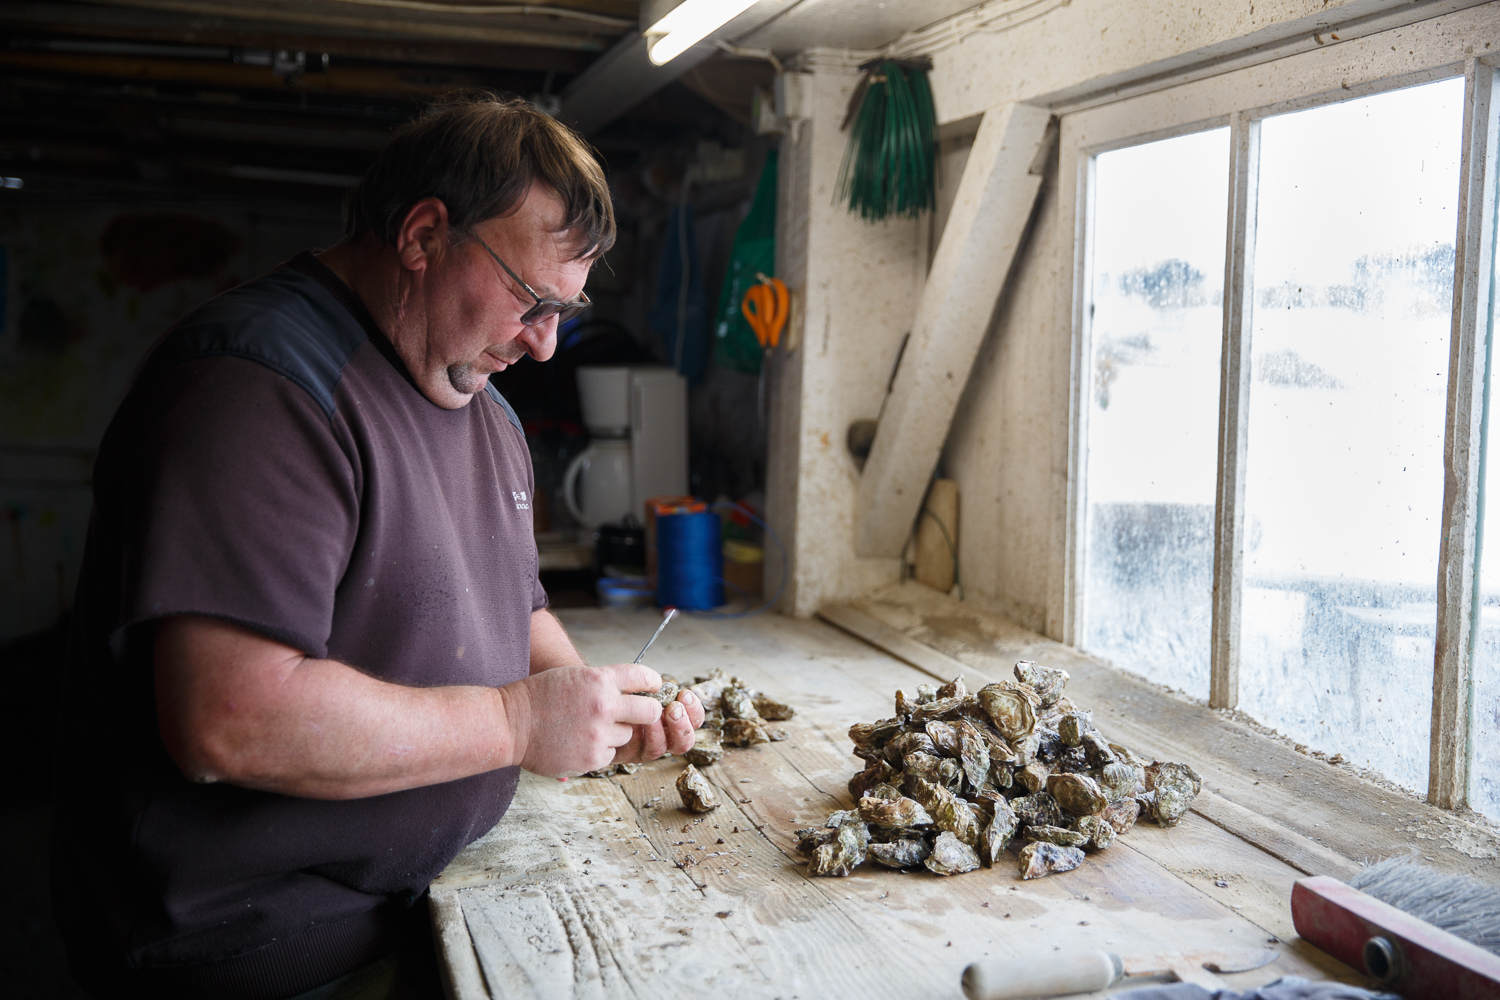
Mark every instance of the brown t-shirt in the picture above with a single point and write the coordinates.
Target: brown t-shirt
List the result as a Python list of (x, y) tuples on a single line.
[(274, 466)]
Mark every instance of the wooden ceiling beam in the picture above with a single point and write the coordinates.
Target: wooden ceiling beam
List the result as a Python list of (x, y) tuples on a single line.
[(361, 80), (393, 23), (83, 21)]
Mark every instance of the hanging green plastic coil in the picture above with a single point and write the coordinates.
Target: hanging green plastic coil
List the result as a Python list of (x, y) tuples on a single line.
[(890, 163), (754, 252)]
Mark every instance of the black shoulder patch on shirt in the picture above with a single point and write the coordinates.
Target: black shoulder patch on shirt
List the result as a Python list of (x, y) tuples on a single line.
[(489, 387), (285, 321)]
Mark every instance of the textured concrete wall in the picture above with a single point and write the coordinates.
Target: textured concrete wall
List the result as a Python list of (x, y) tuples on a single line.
[(858, 284)]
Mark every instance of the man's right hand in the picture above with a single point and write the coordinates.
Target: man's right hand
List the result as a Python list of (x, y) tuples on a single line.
[(568, 721)]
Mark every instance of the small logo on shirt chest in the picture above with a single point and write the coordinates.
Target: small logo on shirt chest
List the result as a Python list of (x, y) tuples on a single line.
[(519, 496)]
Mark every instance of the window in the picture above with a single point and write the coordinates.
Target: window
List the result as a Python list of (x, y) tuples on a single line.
[(1157, 301), (1279, 492), (1353, 299)]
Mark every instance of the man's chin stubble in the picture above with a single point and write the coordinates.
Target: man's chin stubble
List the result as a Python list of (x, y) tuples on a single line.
[(464, 379)]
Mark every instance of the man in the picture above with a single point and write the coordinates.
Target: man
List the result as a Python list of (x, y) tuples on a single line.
[(310, 651)]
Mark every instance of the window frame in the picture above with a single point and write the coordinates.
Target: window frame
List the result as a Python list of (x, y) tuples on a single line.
[(1437, 49)]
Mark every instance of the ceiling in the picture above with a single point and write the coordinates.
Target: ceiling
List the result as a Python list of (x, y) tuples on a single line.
[(295, 97)]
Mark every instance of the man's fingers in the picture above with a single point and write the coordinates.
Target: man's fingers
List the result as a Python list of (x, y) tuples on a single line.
[(638, 710), (677, 726), (653, 742), (635, 677), (694, 706)]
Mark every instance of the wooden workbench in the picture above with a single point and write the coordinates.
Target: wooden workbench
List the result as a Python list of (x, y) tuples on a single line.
[(607, 887)]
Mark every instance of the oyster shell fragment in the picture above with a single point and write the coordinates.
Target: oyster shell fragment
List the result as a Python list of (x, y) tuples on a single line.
[(697, 794)]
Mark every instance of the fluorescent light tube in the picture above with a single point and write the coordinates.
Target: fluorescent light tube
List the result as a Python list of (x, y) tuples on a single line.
[(687, 24)]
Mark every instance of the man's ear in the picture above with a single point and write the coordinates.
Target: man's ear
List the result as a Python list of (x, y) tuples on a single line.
[(423, 234)]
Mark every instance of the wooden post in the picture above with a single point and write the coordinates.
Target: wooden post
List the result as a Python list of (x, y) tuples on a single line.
[(1234, 412), (1457, 582)]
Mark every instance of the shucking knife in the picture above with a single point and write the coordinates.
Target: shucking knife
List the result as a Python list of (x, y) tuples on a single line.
[(1086, 971), (671, 613)]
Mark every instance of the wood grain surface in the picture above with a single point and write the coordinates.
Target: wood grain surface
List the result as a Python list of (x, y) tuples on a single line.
[(608, 888)]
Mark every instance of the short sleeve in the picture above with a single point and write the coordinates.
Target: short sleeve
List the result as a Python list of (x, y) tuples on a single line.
[(234, 496)]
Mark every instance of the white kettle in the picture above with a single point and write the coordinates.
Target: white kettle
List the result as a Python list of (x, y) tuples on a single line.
[(605, 495)]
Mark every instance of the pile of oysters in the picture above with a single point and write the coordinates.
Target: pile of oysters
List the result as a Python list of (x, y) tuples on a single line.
[(734, 715), (954, 779)]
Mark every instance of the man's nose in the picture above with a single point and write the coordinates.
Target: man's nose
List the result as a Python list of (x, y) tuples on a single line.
[(541, 340)]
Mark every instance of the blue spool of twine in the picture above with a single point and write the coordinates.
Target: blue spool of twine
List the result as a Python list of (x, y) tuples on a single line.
[(689, 561)]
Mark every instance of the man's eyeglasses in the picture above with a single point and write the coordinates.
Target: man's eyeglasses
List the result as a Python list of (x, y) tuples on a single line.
[(564, 311)]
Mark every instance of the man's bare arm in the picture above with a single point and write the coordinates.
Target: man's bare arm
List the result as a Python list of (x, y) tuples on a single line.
[(550, 645), (237, 707)]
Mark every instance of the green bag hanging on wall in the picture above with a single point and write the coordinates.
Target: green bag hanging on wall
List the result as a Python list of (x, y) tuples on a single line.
[(735, 346)]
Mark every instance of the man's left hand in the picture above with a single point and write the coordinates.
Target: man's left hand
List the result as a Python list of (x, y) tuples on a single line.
[(672, 733)]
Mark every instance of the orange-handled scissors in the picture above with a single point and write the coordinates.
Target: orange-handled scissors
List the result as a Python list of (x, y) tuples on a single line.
[(765, 307)]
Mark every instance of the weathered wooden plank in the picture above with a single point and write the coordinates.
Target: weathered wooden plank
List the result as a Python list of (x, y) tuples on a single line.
[(458, 965), (1457, 596), (1234, 412)]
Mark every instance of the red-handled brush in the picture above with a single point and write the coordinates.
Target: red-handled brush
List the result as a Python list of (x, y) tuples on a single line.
[(1404, 954)]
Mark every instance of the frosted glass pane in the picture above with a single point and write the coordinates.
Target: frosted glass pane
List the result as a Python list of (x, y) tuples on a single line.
[(1484, 772), (1352, 303), (1157, 307)]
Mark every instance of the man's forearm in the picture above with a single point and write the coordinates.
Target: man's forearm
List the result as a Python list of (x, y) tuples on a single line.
[(550, 645), (234, 706)]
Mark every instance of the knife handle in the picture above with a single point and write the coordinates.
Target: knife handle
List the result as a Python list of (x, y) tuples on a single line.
[(1051, 975)]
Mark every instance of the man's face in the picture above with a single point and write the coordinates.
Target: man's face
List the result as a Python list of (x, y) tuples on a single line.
[(472, 308)]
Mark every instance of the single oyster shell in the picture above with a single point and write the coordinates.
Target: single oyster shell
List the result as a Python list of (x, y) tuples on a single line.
[(1118, 781), (1058, 835), (777, 733), (944, 737), (665, 695), (1175, 786), (908, 743), (710, 689), (1039, 809), (926, 693), (873, 735), (878, 772), (1124, 756), (1047, 682), (1071, 727), (956, 688), (901, 853), (1096, 750), (951, 856), (904, 705), (744, 733), (1041, 859), (940, 708), (708, 748), (997, 833), (1077, 794), (773, 711), (1098, 831), (1010, 709), (841, 855), (973, 754), (1033, 777), (629, 767), (738, 704), (1121, 815), (957, 817), (897, 812), (811, 838), (697, 794), (883, 791)]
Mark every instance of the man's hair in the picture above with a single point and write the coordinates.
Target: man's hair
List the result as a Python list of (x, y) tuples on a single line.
[(479, 154)]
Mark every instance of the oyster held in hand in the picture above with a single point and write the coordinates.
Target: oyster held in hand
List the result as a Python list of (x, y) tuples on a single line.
[(697, 794)]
